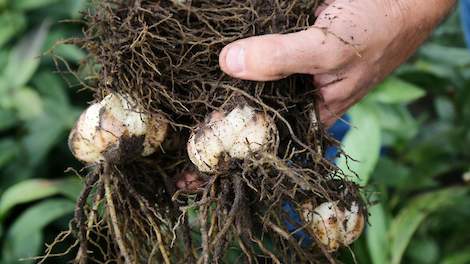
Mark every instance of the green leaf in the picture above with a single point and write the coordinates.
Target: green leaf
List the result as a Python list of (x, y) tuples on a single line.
[(76, 6), (4, 55), (51, 88), (12, 23), (14, 253), (71, 187), (31, 4), (442, 71), (362, 143), (452, 56), (462, 257), (410, 218), (36, 189), (8, 150), (24, 239), (25, 57), (71, 53), (392, 173), (377, 236), (27, 102), (444, 108), (395, 91), (397, 121), (7, 119), (45, 132), (423, 250), (53, 91)]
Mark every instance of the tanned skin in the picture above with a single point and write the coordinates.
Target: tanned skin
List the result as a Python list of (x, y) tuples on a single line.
[(353, 45)]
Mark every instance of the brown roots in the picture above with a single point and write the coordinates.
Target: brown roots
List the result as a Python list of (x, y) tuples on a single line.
[(125, 215), (253, 208), (164, 54)]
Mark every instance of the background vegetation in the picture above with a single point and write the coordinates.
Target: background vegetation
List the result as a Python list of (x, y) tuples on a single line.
[(411, 136)]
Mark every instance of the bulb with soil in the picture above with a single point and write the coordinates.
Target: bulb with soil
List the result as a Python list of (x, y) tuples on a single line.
[(115, 129), (233, 135), (333, 225)]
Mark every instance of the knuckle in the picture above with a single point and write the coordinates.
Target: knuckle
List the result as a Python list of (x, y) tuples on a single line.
[(340, 56)]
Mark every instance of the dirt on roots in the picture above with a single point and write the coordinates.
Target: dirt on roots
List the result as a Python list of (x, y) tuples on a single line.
[(164, 54)]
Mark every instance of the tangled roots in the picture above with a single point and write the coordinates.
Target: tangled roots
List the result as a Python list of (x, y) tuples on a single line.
[(164, 54)]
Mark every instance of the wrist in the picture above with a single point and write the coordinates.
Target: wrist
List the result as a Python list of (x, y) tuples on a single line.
[(413, 21)]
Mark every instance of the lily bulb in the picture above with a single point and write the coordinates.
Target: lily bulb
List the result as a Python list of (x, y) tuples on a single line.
[(116, 129), (334, 226), (233, 135)]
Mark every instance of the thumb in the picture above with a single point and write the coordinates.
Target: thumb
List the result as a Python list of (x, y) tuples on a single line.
[(272, 57)]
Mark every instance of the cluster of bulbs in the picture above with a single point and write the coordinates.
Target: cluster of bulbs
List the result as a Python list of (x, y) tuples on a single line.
[(116, 127)]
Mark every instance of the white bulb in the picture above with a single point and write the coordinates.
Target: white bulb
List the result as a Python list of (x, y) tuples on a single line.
[(334, 226), (253, 137), (204, 149), (234, 135), (107, 124)]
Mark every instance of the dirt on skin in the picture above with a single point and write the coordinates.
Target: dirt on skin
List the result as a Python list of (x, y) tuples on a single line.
[(164, 54)]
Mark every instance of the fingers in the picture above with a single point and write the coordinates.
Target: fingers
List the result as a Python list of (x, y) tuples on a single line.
[(338, 95), (331, 50), (323, 80), (272, 57)]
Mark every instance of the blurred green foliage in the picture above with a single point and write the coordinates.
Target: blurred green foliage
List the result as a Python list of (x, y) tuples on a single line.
[(410, 137), (36, 196)]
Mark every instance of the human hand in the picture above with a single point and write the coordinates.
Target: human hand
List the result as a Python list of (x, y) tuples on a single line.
[(353, 45)]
